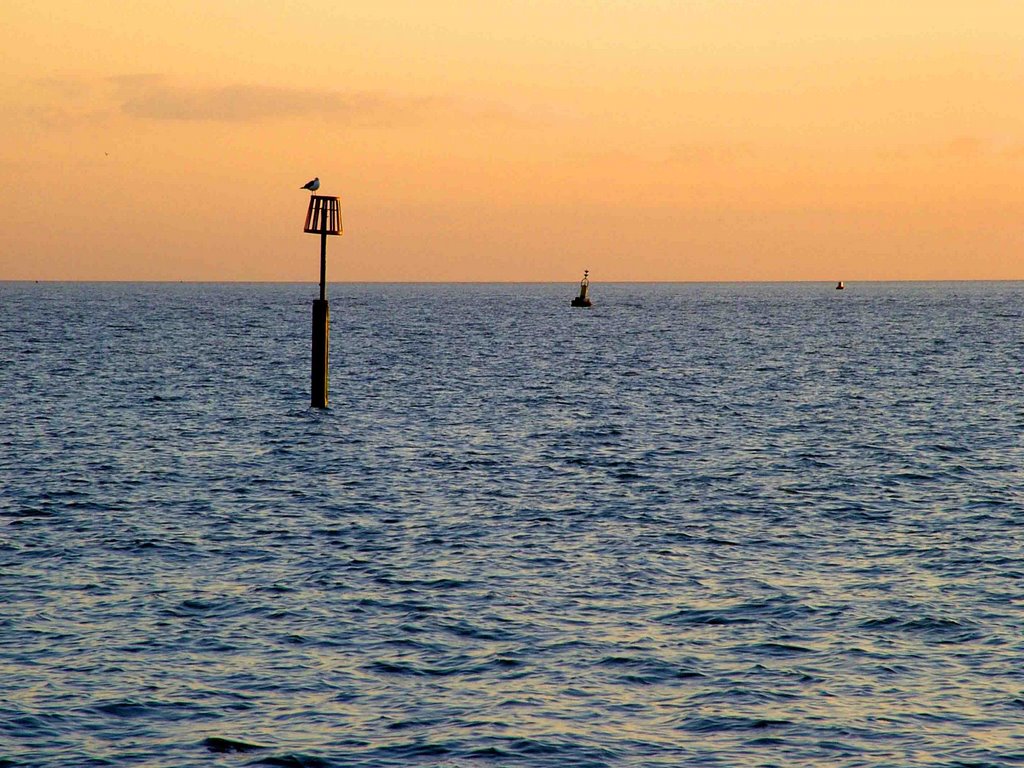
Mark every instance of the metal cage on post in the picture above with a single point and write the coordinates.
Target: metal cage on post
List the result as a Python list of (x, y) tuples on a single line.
[(323, 217)]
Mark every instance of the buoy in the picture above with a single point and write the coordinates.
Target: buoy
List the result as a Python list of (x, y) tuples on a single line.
[(840, 286), (583, 300)]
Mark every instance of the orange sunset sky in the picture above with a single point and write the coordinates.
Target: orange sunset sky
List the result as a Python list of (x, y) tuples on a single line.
[(682, 140)]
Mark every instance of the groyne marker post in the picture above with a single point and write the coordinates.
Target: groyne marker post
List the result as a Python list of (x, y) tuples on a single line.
[(323, 217)]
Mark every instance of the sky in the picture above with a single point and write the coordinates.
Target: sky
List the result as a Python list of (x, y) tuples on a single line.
[(682, 140)]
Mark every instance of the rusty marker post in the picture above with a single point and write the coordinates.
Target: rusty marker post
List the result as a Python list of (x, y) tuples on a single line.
[(322, 218)]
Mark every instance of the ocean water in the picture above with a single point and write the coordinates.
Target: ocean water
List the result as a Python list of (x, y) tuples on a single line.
[(694, 525)]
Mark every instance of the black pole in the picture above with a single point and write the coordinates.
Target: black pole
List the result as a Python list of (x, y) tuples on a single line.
[(321, 342), (323, 259)]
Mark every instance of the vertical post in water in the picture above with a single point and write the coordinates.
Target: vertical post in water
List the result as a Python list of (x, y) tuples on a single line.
[(320, 369), (322, 218), (321, 342)]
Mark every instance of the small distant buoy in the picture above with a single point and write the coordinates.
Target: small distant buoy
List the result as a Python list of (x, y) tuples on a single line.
[(840, 286), (583, 300)]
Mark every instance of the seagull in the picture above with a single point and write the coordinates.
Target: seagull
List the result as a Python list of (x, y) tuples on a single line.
[(313, 185)]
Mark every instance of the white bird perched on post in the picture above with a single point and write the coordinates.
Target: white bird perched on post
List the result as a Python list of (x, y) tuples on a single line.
[(313, 185)]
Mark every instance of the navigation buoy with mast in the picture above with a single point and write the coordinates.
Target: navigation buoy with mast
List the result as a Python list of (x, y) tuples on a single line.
[(583, 300)]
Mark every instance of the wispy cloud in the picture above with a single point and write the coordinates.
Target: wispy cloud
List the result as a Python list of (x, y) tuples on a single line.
[(152, 97), (69, 102)]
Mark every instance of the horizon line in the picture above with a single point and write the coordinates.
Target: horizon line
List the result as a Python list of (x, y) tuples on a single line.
[(521, 282)]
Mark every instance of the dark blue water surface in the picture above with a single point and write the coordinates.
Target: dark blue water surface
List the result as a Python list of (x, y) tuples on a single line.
[(695, 525)]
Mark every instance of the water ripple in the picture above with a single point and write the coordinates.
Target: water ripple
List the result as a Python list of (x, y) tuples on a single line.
[(696, 525)]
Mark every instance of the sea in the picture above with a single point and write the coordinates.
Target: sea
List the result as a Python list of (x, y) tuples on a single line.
[(697, 524)]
